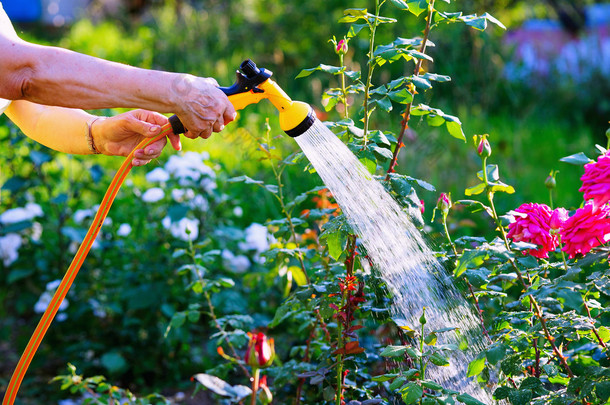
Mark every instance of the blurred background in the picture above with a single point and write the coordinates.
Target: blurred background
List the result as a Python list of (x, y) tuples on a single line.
[(541, 89)]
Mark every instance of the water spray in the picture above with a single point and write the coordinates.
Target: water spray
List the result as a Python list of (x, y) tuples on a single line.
[(252, 85)]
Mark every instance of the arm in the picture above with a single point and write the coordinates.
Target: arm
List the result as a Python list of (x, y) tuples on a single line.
[(65, 130), (55, 76)]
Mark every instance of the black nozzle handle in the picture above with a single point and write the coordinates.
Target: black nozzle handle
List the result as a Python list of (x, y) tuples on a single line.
[(249, 76), (177, 125)]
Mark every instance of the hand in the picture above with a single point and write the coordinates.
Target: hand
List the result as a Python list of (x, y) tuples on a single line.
[(119, 135), (202, 107)]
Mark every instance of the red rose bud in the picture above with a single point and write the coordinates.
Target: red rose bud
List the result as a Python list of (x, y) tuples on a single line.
[(266, 397), (483, 148), (260, 352), (444, 203), (341, 48)]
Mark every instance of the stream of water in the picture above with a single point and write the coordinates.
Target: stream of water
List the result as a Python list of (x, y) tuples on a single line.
[(400, 254)]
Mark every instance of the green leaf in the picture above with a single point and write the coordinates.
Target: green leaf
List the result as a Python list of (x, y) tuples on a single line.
[(381, 153), (394, 351), (411, 392), (476, 366), (439, 360), (336, 242), (470, 259), (400, 4), (417, 6), (496, 353), (334, 70), (520, 397), (474, 190), (397, 383), (113, 362), (602, 389), (384, 377), (354, 14), (578, 159), (468, 400), (402, 96), (455, 130), (298, 275)]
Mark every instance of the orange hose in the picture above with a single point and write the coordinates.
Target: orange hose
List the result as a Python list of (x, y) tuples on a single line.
[(66, 282)]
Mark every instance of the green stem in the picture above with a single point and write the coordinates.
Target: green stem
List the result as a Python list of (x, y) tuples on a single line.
[(422, 361), (340, 356), (551, 198), (212, 313), (371, 67), (280, 197), (255, 383), (343, 88)]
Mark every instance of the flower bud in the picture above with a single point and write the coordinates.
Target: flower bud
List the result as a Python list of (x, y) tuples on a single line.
[(558, 218), (266, 396), (483, 146), (550, 182), (341, 48), (444, 203), (260, 352)]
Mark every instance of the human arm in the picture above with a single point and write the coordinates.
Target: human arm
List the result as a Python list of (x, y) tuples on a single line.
[(65, 130), (54, 76)]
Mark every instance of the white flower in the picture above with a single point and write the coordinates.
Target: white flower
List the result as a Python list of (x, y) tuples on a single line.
[(36, 231), (44, 301), (124, 230), (157, 175), (237, 264), (185, 229), (200, 202), (98, 310), (81, 215), (238, 211), (51, 286), (257, 238), (9, 248), (153, 195), (182, 194), (189, 167), (27, 213)]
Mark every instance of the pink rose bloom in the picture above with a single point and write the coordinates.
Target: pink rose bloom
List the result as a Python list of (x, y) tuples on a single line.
[(587, 228), (596, 181), (532, 225)]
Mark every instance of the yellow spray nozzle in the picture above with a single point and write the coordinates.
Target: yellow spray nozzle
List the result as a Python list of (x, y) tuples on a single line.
[(252, 85)]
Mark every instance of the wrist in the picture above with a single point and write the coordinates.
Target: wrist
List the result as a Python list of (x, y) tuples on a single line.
[(94, 139)]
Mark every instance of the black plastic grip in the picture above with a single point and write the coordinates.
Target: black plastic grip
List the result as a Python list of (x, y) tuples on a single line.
[(177, 125)]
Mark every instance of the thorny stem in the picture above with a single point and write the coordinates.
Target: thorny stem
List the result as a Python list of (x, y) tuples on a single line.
[(407, 114), (212, 313), (369, 77), (255, 384), (595, 331), (526, 285), (349, 267)]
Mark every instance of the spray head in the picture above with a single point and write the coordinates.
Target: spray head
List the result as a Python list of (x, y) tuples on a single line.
[(253, 84)]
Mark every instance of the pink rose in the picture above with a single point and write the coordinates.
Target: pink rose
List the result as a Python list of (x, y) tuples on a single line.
[(341, 47), (533, 225), (587, 228), (596, 181)]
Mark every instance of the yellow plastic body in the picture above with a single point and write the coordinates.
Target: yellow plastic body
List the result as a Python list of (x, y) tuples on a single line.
[(292, 113)]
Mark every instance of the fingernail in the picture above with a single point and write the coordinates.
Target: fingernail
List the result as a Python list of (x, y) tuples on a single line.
[(222, 127), (234, 115), (151, 152), (154, 128), (135, 162)]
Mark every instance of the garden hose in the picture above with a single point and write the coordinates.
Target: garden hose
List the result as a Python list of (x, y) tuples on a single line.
[(252, 85)]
